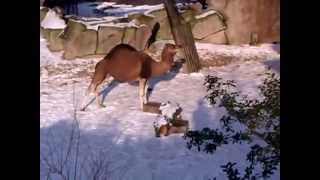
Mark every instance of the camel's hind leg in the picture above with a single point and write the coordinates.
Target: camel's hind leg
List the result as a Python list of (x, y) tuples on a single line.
[(142, 92), (146, 96), (99, 76)]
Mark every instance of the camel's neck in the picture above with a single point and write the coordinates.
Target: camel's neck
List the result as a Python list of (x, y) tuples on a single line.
[(164, 65), (166, 57)]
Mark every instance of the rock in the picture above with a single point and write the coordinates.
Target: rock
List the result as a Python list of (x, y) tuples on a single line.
[(216, 38), (246, 19), (44, 32), (176, 127), (207, 24), (189, 15), (78, 40), (55, 42), (142, 35), (142, 19), (152, 107), (160, 16), (108, 37), (129, 36), (43, 13)]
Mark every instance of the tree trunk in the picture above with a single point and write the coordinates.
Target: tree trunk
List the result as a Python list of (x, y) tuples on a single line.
[(182, 35)]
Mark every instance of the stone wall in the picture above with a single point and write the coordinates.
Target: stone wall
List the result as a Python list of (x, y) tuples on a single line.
[(232, 22), (250, 21)]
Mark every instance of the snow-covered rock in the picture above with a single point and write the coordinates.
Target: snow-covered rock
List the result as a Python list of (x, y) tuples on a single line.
[(169, 109), (52, 20)]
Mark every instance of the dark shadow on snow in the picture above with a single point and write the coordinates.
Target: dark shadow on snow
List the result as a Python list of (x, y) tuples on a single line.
[(166, 77), (273, 65)]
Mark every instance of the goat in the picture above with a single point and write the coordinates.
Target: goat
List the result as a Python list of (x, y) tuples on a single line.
[(124, 63)]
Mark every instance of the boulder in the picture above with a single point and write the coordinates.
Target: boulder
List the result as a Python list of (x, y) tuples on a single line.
[(250, 20), (142, 35), (141, 19), (129, 36), (207, 24), (44, 32), (160, 15), (55, 42), (51, 28), (108, 37), (216, 38), (43, 13), (78, 40)]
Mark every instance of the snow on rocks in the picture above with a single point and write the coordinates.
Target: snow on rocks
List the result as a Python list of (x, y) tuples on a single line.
[(168, 109), (160, 121), (205, 14), (53, 20)]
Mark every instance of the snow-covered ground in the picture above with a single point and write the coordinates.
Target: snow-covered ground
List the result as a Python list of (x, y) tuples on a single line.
[(124, 136)]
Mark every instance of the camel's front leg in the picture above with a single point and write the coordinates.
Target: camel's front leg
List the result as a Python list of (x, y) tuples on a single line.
[(145, 99), (142, 94)]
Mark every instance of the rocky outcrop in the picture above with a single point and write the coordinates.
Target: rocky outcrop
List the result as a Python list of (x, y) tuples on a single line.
[(78, 40), (225, 22), (209, 27), (250, 20), (52, 27), (108, 37)]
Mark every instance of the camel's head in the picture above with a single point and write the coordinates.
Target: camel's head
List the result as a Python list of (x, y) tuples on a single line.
[(171, 48)]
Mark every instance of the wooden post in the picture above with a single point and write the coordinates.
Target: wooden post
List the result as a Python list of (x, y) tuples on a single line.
[(182, 35)]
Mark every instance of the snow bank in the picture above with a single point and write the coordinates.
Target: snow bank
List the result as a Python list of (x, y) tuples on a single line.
[(104, 5), (52, 20), (153, 8)]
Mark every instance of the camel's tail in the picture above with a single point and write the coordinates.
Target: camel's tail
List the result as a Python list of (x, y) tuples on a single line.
[(153, 36)]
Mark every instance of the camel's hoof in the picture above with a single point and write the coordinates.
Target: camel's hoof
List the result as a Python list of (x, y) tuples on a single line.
[(102, 106)]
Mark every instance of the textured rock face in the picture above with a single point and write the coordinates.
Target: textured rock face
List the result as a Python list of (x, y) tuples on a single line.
[(108, 37), (208, 25), (216, 38), (55, 42), (250, 19), (78, 40), (225, 22)]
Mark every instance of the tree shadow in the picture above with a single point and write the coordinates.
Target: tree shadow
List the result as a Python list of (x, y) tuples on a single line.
[(206, 116), (103, 152), (273, 64), (276, 47)]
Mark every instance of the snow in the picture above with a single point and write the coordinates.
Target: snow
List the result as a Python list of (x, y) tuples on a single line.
[(168, 109), (52, 20), (123, 136), (113, 8), (153, 9), (160, 121), (94, 23), (105, 4), (205, 14)]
